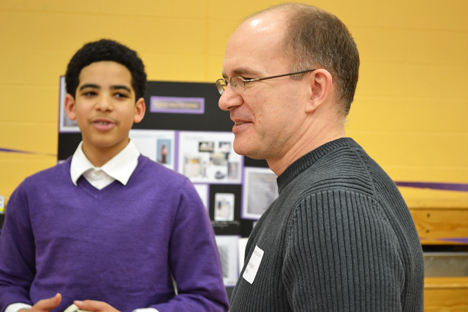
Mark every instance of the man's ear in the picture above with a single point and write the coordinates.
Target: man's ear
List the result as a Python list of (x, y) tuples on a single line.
[(70, 106), (140, 109), (321, 86)]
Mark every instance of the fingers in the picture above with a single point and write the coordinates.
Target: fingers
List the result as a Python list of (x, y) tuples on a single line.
[(45, 305), (94, 306)]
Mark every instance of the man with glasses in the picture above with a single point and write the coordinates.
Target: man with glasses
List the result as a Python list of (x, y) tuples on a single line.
[(339, 237)]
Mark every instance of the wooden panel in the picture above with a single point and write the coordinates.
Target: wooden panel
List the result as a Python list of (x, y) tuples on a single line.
[(446, 294), (441, 226)]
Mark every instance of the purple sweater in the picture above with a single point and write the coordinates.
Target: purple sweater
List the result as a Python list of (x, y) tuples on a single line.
[(120, 245)]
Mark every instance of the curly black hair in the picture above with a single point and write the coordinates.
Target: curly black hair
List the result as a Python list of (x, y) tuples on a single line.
[(106, 50)]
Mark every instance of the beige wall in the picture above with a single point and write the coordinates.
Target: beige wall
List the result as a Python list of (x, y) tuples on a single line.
[(410, 111)]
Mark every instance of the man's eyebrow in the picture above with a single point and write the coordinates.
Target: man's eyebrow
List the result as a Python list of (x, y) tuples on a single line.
[(243, 72)]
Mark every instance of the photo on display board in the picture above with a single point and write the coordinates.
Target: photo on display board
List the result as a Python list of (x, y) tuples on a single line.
[(228, 254), (157, 145), (224, 207), (241, 245), (65, 123), (259, 191), (164, 151), (208, 157), (2, 204), (203, 191), (206, 146)]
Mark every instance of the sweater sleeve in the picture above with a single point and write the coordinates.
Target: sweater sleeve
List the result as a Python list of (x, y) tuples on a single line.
[(194, 259), (17, 262), (342, 255)]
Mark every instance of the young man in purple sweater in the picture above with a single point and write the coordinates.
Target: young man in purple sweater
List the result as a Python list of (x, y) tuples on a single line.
[(109, 229)]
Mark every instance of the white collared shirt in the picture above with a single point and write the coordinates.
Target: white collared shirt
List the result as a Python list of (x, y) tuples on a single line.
[(119, 168)]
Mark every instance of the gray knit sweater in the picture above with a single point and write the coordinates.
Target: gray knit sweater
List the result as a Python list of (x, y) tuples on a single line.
[(338, 238)]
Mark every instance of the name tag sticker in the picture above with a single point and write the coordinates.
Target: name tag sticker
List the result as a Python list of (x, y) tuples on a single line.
[(252, 267)]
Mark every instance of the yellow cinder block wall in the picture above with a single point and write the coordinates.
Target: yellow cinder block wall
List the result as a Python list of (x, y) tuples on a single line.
[(410, 110)]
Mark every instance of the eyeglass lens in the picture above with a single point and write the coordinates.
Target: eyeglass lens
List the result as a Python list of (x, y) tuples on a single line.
[(237, 84), (221, 85)]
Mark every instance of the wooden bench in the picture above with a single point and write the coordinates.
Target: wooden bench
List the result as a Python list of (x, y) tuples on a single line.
[(443, 224), (446, 294)]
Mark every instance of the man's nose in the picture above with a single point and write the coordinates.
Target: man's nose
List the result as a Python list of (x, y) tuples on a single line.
[(229, 99)]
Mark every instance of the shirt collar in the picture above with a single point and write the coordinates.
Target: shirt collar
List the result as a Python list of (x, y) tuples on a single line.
[(120, 167)]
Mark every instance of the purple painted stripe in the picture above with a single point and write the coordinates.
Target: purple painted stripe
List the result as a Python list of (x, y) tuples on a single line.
[(459, 187), (463, 240), (7, 150), (13, 151)]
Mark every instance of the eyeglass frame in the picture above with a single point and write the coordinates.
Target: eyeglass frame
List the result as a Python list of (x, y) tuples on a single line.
[(220, 87)]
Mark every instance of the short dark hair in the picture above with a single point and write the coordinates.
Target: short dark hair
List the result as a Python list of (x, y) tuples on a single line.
[(315, 37), (106, 50)]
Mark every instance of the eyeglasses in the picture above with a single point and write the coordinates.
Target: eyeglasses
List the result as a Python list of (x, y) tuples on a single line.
[(238, 83)]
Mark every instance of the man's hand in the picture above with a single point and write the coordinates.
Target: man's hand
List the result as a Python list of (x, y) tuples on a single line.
[(95, 306), (45, 305)]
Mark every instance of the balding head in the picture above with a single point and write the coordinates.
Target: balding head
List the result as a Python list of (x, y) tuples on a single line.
[(311, 37)]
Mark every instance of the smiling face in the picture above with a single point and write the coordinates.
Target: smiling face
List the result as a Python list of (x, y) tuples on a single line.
[(105, 109), (269, 115)]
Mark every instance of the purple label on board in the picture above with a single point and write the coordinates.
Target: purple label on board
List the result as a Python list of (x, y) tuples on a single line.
[(177, 105)]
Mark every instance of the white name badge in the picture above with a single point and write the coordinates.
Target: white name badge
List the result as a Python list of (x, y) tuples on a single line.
[(252, 267)]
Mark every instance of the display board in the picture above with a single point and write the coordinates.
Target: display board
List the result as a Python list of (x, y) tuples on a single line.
[(186, 131)]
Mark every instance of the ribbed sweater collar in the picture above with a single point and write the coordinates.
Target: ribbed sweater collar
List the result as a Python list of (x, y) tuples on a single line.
[(306, 161)]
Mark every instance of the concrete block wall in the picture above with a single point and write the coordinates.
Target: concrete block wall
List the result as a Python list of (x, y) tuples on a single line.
[(409, 112)]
